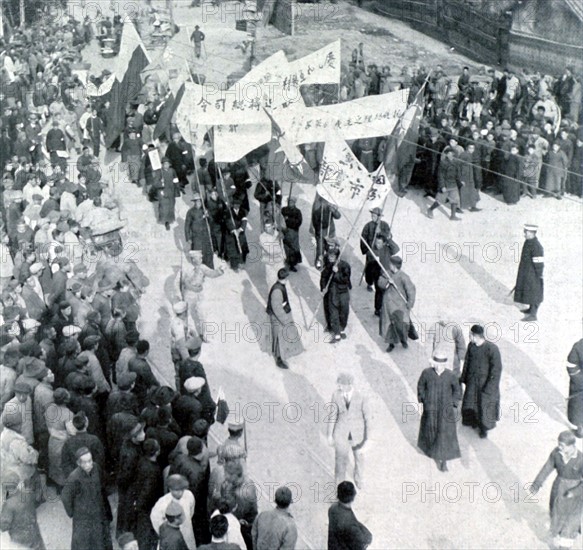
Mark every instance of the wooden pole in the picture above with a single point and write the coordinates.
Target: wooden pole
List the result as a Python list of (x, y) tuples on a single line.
[(204, 210), (353, 226)]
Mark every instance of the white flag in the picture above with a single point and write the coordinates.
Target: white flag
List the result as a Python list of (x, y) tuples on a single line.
[(343, 181)]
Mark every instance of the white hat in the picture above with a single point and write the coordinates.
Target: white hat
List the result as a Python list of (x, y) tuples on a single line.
[(36, 267), (71, 330), (530, 227), (194, 383), (29, 324), (179, 307)]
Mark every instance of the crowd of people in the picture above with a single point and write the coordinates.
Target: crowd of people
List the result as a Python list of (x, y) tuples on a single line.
[(82, 408)]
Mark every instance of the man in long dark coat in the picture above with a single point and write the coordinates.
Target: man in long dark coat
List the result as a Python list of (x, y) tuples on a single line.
[(369, 234), (236, 247), (180, 155), (439, 391), (481, 378), (85, 500), (575, 399), (529, 281), (197, 231), (129, 456), (292, 216)]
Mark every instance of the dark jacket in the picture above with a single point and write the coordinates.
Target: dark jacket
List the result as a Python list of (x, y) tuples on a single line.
[(345, 532)]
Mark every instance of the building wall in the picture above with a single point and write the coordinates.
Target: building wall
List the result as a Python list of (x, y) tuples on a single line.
[(281, 14)]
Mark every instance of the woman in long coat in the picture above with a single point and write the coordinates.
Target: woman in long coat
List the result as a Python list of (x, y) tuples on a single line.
[(468, 193), (556, 171), (511, 186), (566, 502), (57, 416), (439, 391)]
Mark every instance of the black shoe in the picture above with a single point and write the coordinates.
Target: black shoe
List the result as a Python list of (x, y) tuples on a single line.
[(167, 226), (526, 311), (377, 313), (282, 364), (483, 434), (529, 318), (443, 466), (293, 268), (343, 335), (475, 209), (459, 210), (390, 348), (334, 340), (430, 214), (369, 288), (405, 345)]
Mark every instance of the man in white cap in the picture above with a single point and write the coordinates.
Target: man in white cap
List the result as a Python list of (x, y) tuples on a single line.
[(529, 280), (349, 428), (182, 328), (271, 251), (439, 391), (188, 408)]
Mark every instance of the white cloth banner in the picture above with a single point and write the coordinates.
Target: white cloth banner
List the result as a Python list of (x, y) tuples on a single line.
[(369, 116), (319, 67), (343, 181)]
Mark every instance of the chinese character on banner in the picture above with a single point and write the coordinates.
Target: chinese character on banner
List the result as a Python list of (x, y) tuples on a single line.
[(233, 127), (329, 61), (220, 105), (356, 188), (372, 194), (203, 103), (310, 70), (379, 179), (238, 105)]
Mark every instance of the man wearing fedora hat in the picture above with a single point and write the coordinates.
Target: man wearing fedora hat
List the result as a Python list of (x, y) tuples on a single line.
[(197, 230), (439, 392), (529, 287), (376, 226)]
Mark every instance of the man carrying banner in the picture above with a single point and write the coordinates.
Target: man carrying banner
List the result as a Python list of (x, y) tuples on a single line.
[(384, 248), (335, 284), (323, 216), (197, 231), (398, 300), (370, 232), (292, 217)]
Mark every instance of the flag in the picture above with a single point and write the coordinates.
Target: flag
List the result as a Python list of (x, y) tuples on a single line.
[(380, 187), (402, 147), (167, 112), (343, 180), (285, 161), (222, 411)]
